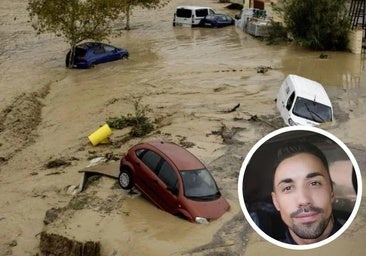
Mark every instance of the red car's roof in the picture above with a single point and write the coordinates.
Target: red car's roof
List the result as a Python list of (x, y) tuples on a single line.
[(182, 158)]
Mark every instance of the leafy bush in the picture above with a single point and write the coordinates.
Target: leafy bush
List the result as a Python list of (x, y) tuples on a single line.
[(277, 33), (140, 123), (317, 24)]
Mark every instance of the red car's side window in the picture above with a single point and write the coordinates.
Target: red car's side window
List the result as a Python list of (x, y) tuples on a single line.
[(167, 175), (151, 159)]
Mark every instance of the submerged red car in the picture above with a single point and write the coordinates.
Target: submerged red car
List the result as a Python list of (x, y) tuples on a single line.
[(174, 180)]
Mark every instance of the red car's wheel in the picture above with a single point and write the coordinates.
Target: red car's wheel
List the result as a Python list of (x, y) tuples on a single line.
[(125, 179)]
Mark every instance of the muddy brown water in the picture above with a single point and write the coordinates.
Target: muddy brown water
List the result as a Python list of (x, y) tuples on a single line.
[(189, 77)]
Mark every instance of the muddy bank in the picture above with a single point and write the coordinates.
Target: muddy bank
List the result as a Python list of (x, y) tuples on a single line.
[(18, 122)]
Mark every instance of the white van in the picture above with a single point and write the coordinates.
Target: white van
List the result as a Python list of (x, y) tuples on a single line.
[(190, 15), (302, 101)]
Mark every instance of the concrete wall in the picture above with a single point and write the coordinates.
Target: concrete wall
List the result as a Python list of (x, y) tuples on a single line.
[(355, 40)]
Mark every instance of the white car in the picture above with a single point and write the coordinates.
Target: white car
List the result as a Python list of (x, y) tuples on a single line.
[(302, 101)]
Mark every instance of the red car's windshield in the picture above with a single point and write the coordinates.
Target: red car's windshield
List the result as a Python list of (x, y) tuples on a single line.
[(199, 185)]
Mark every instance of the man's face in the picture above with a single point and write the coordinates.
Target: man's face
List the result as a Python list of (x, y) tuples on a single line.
[(302, 193)]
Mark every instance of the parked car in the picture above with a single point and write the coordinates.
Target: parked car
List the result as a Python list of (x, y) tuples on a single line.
[(174, 180), (217, 20), (93, 53), (302, 101), (190, 15)]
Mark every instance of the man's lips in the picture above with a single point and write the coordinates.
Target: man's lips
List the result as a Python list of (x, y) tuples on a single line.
[(307, 214), (307, 217)]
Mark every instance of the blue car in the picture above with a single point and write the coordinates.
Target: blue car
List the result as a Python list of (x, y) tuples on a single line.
[(93, 53), (216, 21)]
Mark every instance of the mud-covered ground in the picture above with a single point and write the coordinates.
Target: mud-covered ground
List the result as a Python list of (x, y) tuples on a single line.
[(190, 79)]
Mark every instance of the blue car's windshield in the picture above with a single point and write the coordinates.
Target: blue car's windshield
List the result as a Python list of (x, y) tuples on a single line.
[(312, 110), (199, 185)]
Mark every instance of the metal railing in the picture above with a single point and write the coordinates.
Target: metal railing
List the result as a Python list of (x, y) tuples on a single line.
[(357, 14)]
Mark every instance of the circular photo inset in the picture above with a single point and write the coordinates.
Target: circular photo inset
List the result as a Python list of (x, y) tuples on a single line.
[(300, 187)]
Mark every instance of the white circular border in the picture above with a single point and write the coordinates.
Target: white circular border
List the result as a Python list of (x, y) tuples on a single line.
[(300, 128)]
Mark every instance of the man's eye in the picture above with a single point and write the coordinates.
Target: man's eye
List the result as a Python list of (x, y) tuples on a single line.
[(315, 183), (286, 189)]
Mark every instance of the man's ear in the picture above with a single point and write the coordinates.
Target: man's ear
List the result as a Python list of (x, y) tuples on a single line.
[(332, 196), (274, 200)]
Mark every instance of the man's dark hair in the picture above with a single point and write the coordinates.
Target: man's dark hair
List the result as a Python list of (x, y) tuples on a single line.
[(293, 148)]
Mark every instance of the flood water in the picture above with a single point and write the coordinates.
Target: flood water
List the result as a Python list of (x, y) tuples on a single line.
[(170, 60), (187, 75), (157, 48)]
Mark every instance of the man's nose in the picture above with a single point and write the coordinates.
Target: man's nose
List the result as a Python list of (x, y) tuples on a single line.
[(303, 197)]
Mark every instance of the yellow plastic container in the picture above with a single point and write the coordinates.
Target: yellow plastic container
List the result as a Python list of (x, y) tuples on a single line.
[(101, 135)]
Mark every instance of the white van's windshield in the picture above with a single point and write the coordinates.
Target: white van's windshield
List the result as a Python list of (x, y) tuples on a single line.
[(312, 110)]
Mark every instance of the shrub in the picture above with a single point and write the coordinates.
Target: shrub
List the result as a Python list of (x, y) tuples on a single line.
[(317, 24), (277, 33), (140, 123)]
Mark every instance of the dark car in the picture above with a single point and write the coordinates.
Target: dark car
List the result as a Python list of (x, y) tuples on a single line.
[(174, 180), (216, 21), (93, 53)]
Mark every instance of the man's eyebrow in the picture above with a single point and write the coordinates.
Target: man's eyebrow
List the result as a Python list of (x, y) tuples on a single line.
[(288, 180), (314, 174), (308, 176)]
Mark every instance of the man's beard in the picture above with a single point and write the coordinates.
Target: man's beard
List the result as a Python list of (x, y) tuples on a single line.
[(310, 230)]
